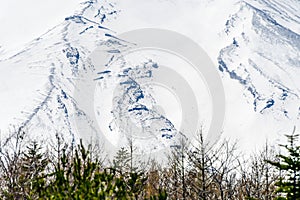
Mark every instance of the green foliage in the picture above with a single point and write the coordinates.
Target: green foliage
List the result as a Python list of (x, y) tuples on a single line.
[(79, 177), (24, 174), (162, 195), (289, 166), (76, 174)]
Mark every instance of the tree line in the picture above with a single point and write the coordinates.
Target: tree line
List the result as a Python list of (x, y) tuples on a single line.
[(31, 170)]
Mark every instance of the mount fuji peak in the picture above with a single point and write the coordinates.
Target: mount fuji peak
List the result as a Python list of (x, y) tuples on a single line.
[(264, 56), (38, 82), (254, 44)]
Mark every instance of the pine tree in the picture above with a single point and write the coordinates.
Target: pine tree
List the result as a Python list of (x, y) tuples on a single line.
[(33, 167), (289, 166), (122, 160)]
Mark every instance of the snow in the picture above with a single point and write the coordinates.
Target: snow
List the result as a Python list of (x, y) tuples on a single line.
[(253, 44)]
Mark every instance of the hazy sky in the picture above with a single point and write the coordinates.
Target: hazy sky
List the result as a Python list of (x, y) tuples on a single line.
[(23, 20)]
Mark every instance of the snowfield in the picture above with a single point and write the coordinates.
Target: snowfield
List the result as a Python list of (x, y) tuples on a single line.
[(254, 45)]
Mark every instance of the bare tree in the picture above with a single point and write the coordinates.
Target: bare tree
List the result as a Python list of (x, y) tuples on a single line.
[(176, 180), (257, 176), (224, 167), (10, 163), (201, 159)]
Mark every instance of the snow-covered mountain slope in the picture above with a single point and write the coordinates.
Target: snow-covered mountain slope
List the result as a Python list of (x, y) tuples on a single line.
[(254, 45), (37, 83), (263, 56)]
